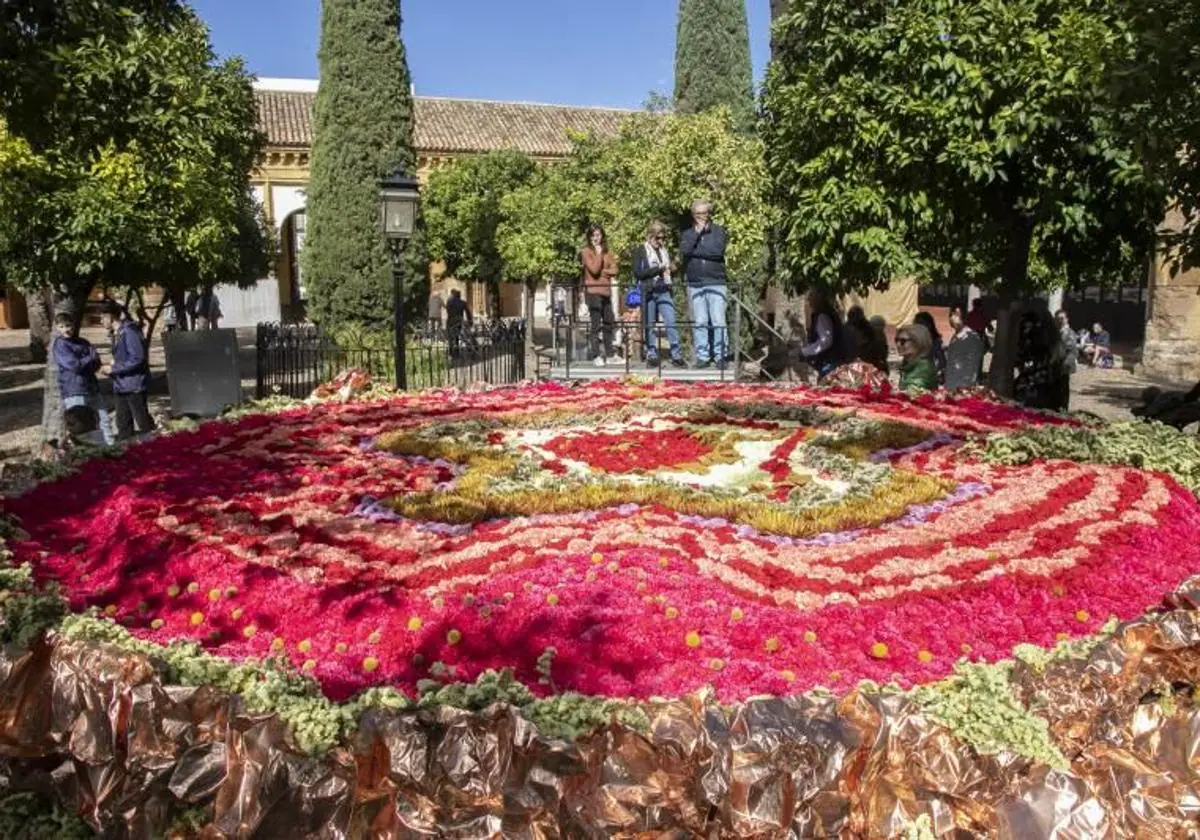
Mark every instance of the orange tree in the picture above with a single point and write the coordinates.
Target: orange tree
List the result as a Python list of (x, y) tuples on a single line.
[(977, 142)]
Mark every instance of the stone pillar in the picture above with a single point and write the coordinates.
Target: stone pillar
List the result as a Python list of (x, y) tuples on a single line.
[(1172, 348)]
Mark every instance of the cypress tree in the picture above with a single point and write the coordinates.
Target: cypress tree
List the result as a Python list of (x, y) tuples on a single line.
[(362, 131), (712, 59)]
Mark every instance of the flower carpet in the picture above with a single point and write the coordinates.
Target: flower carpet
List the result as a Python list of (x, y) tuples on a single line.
[(615, 539)]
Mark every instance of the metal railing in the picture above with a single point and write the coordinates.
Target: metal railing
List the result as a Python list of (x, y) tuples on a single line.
[(293, 359), (746, 336)]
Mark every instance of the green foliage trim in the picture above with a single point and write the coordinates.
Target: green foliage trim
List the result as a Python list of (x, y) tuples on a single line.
[(978, 705), (27, 816), (1147, 446)]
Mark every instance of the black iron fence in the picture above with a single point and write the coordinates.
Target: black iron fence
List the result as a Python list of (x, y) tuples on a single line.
[(293, 359)]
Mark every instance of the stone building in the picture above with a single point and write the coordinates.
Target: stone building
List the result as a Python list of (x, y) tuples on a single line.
[(443, 130)]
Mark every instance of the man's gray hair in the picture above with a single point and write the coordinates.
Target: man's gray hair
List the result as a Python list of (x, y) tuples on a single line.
[(701, 203)]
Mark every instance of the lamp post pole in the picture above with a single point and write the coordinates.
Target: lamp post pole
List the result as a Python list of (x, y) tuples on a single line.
[(398, 197), (397, 248)]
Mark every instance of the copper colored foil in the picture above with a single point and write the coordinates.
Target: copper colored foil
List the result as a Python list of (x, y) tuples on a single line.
[(100, 730)]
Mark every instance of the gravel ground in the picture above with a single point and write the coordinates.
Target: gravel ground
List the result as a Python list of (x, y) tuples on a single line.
[(1107, 393)]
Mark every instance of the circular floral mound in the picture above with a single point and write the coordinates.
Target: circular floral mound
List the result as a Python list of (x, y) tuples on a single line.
[(614, 540)]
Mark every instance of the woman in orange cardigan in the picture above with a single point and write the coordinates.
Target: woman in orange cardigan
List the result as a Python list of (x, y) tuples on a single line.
[(599, 269)]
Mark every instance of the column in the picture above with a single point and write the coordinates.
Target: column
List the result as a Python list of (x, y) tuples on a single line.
[(1172, 347)]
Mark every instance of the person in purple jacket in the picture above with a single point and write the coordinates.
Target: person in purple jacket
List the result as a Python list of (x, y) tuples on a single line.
[(130, 372), (77, 364)]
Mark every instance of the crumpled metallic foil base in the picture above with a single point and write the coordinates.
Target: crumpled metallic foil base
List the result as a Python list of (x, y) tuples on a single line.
[(97, 728)]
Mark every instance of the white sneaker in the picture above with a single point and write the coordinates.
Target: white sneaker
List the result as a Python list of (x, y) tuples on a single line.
[(598, 361)]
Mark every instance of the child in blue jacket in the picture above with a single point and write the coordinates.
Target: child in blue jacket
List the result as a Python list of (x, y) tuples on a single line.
[(77, 364), (129, 371)]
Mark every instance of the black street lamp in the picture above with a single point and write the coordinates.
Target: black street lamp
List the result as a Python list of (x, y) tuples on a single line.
[(399, 195)]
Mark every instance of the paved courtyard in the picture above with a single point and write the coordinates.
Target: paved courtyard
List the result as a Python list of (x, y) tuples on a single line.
[(1106, 393)]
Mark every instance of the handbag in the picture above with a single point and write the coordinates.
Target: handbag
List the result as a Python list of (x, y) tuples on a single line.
[(633, 298)]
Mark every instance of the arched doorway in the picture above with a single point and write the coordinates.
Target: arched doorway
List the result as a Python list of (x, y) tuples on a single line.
[(292, 292)]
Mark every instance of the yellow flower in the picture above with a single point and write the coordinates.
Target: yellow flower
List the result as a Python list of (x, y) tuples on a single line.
[(304, 646), (967, 649), (552, 599), (214, 595), (110, 610), (236, 613), (156, 624), (665, 562), (737, 614), (1062, 637), (810, 636), (1082, 617), (772, 644), (453, 637), (614, 566), (692, 639), (173, 591), (415, 623), (672, 613), (527, 586), (879, 650), (309, 666), (438, 602), (374, 638), (250, 631), (197, 619), (925, 656), (597, 559), (278, 644), (193, 588), (835, 676), (590, 577), (341, 647), (716, 664), (370, 664), (788, 676)]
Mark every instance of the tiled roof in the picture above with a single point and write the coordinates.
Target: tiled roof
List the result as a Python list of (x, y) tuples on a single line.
[(454, 125)]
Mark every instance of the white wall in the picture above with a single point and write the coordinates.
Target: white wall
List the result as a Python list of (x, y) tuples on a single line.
[(285, 201), (247, 307)]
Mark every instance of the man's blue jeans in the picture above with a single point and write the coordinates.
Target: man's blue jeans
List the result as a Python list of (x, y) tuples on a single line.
[(708, 314), (661, 304)]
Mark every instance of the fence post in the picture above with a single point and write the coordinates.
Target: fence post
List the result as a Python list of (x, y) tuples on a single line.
[(259, 349)]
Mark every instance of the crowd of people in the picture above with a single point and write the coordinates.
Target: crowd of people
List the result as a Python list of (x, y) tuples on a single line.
[(651, 297), (1048, 350)]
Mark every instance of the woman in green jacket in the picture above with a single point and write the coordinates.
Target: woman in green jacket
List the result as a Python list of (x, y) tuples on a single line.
[(917, 371)]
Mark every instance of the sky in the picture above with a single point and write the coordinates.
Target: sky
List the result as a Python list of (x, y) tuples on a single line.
[(568, 52)]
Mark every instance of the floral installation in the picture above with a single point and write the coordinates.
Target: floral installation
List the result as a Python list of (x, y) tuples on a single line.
[(657, 539)]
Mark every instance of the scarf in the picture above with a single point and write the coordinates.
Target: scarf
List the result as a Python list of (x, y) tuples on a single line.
[(659, 259)]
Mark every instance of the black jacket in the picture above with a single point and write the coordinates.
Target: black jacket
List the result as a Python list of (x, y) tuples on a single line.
[(705, 255), (648, 276)]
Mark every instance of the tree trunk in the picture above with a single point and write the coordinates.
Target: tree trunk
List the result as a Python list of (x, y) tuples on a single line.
[(54, 424), (1013, 282), (40, 327)]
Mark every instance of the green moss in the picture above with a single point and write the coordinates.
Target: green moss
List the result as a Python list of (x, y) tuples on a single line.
[(1148, 446), (978, 705), (921, 829), (27, 816)]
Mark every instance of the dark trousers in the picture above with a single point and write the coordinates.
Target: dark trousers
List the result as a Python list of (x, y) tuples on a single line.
[(600, 312), (131, 409)]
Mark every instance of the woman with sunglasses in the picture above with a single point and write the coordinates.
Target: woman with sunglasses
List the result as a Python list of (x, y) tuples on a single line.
[(917, 371), (652, 271)]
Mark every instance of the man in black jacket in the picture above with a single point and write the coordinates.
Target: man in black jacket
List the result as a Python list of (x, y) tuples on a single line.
[(703, 248)]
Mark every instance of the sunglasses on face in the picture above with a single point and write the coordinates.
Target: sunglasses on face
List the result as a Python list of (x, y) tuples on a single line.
[(902, 341)]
